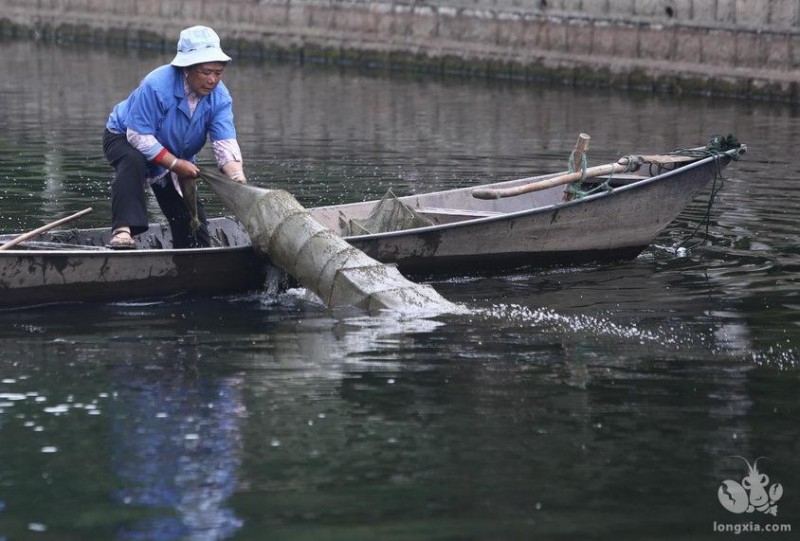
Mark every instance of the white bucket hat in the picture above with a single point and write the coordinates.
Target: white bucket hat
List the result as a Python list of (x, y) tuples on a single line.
[(198, 45)]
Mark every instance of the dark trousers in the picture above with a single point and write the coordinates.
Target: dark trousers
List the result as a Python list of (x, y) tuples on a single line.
[(128, 200)]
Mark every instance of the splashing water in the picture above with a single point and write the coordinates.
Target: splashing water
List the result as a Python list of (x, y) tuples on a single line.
[(777, 357), (556, 322), (672, 337)]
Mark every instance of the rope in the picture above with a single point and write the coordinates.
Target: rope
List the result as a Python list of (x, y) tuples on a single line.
[(632, 163), (571, 164), (572, 188), (716, 146), (716, 185)]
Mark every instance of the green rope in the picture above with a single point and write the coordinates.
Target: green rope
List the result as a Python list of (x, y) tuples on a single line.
[(716, 146), (571, 164), (573, 188), (632, 163)]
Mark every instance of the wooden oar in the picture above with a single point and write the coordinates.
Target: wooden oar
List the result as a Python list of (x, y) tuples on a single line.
[(622, 166), (40, 230)]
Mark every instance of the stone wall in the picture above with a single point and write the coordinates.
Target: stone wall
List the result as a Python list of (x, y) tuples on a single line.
[(747, 48)]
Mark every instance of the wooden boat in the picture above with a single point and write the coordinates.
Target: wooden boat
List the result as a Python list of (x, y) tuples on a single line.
[(537, 228)]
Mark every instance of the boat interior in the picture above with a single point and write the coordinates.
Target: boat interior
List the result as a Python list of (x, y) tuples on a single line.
[(436, 208), (453, 206)]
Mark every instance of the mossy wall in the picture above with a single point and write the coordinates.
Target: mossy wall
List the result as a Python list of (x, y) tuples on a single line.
[(746, 48)]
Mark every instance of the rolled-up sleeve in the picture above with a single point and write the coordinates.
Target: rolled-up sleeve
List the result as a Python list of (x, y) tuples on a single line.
[(226, 150), (144, 143)]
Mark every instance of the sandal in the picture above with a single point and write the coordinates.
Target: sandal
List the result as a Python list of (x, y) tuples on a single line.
[(121, 240)]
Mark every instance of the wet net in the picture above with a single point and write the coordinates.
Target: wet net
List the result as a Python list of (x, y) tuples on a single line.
[(390, 214)]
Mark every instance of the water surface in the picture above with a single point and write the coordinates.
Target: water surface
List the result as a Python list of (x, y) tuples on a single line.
[(597, 401)]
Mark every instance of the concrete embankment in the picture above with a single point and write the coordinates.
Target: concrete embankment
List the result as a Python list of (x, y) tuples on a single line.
[(743, 48)]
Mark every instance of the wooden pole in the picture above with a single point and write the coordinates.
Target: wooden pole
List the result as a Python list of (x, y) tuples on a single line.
[(40, 230), (623, 165), (578, 157), (497, 193), (581, 146)]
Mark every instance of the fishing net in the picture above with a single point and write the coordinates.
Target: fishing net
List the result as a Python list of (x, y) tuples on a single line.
[(390, 214)]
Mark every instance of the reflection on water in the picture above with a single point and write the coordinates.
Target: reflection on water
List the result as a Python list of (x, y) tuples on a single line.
[(214, 418), (594, 401), (176, 449)]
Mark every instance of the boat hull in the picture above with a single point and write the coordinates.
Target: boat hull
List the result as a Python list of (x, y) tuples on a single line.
[(535, 230), (611, 225), (73, 276)]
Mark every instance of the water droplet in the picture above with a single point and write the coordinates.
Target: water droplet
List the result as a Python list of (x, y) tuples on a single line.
[(61, 408)]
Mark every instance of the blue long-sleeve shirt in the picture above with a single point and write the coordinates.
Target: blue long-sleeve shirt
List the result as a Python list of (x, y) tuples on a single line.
[(160, 107)]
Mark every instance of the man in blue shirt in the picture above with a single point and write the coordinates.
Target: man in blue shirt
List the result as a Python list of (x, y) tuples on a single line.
[(152, 138)]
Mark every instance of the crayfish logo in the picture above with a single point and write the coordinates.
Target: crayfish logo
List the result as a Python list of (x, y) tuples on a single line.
[(753, 494)]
